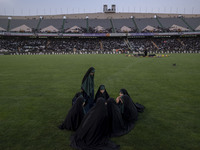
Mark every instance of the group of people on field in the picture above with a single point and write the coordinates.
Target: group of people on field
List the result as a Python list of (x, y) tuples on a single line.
[(95, 119)]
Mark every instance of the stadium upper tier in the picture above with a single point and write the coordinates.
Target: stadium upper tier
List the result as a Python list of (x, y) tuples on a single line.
[(101, 23)]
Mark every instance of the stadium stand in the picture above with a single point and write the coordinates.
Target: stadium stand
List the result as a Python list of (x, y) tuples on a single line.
[(194, 22), (144, 22), (119, 23), (105, 23), (100, 33), (81, 23), (110, 24), (31, 23), (4, 24), (169, 22), (57, 23), (100, 45)]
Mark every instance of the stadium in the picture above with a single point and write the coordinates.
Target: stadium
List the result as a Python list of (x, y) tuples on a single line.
[(105, 32), (43, 59)]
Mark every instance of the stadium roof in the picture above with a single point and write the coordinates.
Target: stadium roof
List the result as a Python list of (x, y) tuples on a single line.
[(125, 29), (104, 16), (49, 29), (2, 29), (74, 29), (149, 28), (99, 28), (176, 28), (198, 28), (22, 28)]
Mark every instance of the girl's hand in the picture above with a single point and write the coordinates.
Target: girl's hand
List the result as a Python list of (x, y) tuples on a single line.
[(120, 99), (117, 99)]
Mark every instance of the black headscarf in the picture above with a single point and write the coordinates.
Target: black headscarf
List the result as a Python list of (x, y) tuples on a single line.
[(88, 82), (74, 116), (93, 133), (116, 121), (124, 91), (75, 97), (99, 94), (91, 69), (140, 107)]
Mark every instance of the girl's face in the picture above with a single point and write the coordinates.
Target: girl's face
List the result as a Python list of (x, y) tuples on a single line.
[(121, 94), (102, 91)]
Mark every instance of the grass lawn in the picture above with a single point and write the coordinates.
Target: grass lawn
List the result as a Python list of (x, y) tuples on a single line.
[(36, 93)]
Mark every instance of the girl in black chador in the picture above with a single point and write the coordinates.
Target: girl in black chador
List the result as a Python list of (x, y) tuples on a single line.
[(122, 113), (101, 93), (128, 109), (115, 117), (74, 116), (93, 133), (88, 88)]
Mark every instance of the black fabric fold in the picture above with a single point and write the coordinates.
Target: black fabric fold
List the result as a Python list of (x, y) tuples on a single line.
[(93, 133), (74, 116)]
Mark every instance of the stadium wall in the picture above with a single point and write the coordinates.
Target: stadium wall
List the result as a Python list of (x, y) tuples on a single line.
[(99, 34)]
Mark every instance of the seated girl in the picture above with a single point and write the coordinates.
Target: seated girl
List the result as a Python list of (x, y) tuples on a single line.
[(128, 110), (74, 116), (93, 133), (116, 121)]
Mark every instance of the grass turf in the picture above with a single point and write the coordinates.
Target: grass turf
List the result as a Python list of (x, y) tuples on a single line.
[(36, 93)]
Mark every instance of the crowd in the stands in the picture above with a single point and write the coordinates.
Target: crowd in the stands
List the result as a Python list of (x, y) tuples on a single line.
[(98, 45)]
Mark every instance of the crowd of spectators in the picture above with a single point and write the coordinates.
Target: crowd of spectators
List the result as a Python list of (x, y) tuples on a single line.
[(13, 45)]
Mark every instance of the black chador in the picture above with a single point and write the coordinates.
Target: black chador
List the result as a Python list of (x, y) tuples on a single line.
[(115, 117), (74, 116), (129, 112), (101, 93), (93, 133), (88, 88)]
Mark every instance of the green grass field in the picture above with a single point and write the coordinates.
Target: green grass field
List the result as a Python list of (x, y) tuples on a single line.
[(36, 93)]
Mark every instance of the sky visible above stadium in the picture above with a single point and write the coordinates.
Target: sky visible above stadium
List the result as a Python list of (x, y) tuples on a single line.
[(53, 7)]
